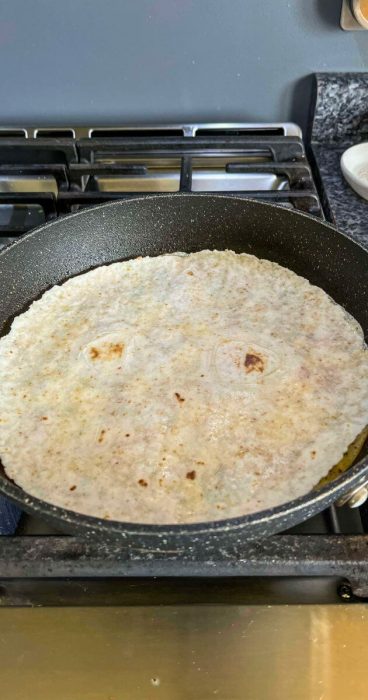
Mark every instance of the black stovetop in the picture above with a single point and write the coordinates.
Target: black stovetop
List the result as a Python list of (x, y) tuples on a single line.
[(45, 173)]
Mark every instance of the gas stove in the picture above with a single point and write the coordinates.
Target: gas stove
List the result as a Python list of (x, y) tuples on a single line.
[(45, 173)]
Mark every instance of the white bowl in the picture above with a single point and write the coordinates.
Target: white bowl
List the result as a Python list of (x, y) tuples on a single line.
[(354, 166)]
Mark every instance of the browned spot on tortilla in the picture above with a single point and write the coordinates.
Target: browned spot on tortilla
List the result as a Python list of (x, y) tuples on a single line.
[(160, 481), (179, 398), (102, 435), (72, 488), (191, 475), (189, 272), (253, 363), (44, 418), (127, 434), (107, 351), (313, 454), (199, 461), (116, 349), (142, 482)]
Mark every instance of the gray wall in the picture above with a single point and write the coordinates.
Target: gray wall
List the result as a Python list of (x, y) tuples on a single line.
[(116, 61)]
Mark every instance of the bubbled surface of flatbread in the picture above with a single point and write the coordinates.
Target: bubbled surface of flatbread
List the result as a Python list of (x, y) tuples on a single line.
[(178, 389)]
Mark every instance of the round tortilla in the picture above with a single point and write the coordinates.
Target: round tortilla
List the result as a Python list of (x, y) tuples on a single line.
[(178, 389)]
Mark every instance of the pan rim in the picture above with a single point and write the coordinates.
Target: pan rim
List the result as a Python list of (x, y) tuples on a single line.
[(355, 477), (181, 195)]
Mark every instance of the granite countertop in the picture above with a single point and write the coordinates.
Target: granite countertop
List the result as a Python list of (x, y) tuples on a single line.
[(339, 120)]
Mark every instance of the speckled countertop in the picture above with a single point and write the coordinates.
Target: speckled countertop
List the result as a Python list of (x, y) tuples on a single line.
[(339, 120)]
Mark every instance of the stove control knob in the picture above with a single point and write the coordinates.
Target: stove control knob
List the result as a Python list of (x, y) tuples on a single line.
[(354, 499), (360, 11)]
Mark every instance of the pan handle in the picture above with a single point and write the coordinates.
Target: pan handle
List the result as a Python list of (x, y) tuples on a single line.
[(354, 498)]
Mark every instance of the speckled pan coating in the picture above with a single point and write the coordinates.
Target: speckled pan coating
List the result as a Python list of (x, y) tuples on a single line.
[(155, 225)]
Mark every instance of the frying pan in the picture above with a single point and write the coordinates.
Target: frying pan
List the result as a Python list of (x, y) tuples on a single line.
[(185, 222)]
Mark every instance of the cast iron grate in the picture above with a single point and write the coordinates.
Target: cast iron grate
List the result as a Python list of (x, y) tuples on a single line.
[(45, 173)]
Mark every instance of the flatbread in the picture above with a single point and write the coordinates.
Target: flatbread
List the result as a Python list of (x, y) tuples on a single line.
[(180, 389)]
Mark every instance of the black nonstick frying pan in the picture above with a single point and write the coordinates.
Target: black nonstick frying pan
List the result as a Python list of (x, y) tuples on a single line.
[(165, 224)]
